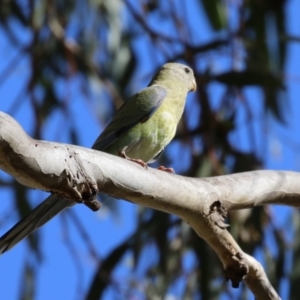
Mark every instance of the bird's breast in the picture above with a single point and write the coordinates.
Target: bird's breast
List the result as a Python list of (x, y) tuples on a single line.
[(149, 138)]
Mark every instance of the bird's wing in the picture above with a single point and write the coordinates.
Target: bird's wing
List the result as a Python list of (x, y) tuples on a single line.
[(138, 109)]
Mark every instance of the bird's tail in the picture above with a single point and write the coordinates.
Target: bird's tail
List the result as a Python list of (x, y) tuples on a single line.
[(37, 218)]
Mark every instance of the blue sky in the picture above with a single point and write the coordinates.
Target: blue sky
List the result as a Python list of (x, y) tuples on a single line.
[(279, 146)]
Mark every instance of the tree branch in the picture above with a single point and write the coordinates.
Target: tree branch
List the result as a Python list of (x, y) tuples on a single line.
[(78, 173)]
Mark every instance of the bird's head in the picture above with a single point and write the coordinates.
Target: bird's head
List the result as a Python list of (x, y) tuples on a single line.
[(183, 72)]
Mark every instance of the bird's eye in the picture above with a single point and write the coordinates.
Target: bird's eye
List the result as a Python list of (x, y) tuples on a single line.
[(187, 70)]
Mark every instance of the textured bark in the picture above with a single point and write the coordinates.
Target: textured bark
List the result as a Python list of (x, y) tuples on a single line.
[(78, 173)]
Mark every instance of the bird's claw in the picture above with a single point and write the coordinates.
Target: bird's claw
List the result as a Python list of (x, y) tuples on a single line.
[(140, 162), (136, 160), (169, 170)]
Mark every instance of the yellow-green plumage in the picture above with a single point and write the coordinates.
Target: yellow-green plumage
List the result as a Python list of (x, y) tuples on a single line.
[(140, 130), (164, 97)]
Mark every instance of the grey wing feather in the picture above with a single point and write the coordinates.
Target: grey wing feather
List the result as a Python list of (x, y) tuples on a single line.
[(53, 205), (35, 219), (134, 111)]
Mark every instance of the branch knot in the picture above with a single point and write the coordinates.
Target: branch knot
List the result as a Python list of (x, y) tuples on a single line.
[(218, 214)]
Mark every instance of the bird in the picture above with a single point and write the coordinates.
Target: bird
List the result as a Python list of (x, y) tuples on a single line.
[(140, 130)]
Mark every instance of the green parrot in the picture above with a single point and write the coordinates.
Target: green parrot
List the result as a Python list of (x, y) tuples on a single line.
[(140, 130)]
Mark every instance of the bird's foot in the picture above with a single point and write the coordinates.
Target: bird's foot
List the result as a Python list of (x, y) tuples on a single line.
[(138, 161), (169, 170)]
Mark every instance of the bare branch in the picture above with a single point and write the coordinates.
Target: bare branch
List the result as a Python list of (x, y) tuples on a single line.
[(35, 164), (76, 172)]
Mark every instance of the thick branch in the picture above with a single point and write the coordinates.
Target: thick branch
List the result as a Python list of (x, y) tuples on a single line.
[(73, 171), (47, 166)]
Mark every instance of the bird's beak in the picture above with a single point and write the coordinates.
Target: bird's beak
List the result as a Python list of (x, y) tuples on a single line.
[(194, 85)]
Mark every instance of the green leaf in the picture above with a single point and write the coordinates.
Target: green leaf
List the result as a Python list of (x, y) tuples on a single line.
[(216, 13), (28, 286)]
